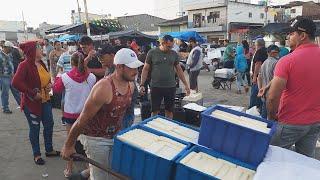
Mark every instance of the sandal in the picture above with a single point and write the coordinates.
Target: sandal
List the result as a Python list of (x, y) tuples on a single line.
[(67, 174), (53, 154), (39, 161)]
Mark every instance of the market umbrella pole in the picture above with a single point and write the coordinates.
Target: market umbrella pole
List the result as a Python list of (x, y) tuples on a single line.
[(98, 165)]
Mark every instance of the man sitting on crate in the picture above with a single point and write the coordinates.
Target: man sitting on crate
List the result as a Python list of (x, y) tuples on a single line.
[(295, 91), (103, 112)]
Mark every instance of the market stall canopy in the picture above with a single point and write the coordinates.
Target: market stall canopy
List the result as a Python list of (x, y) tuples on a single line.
[(68, 37), (124, 34), (130, 33), (102, 26), (282, 28), (185, 36)]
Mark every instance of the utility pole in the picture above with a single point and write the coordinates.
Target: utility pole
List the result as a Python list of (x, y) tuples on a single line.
[(24, 28), (79, 11), (266, 13), (87, 17)]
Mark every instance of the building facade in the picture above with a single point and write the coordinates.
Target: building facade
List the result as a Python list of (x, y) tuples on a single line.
[(174, 25), (15, 31), (144, 23), (227, 19), (172, 9)]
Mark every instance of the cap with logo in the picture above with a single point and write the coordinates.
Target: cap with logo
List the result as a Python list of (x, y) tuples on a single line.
[(127, 57), (303, 24)]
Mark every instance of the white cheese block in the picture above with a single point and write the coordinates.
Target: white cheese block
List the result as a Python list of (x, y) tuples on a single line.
[(228, 163), (158, 145), (193, 97), (218, 168), (186, 160), (223, 171), (242, 121), (234, 174), (174, 129)]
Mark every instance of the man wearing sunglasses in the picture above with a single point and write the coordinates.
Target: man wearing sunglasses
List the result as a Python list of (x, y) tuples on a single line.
[(294, 98)]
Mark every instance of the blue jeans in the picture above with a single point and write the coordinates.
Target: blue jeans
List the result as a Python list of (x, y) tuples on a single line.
[(254, 100), (34, 128), (16, 94), (5, 87), (241, 80), (304, 137)]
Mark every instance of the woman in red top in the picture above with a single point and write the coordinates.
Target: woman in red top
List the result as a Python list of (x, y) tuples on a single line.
[(32, 79)]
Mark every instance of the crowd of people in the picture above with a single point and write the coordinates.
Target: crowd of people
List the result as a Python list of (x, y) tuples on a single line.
[(99, 88)]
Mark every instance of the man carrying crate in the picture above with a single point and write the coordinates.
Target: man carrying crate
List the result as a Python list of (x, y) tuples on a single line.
[(103, 112)]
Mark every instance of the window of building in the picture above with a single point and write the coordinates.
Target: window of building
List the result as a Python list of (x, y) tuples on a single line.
[(262, 15), (293, 10), (197, 18), (250, 14)]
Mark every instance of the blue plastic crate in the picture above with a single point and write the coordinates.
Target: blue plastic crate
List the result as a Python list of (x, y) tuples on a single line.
[(139, 164), (239, 142), (179, 123), (186, 173)]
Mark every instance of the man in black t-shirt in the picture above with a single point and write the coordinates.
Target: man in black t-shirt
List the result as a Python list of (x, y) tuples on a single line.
[(259, 57), (91, 60)]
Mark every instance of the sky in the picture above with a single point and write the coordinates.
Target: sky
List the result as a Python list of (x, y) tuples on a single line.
[(59, 11)]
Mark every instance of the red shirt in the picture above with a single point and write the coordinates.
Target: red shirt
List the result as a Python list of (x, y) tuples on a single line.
[(300, 101)]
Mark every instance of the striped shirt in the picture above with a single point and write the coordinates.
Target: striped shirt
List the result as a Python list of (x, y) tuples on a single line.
[(64, 62)]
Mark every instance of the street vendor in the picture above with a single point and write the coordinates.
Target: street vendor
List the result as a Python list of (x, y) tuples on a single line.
[(103, 112)]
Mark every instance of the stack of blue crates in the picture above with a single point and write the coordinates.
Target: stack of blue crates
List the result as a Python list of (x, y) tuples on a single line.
[(242, 143), (142, 165)]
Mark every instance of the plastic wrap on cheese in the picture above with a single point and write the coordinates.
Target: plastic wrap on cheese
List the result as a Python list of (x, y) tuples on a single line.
[(242, 121), (158, 145), (217, 168), (174, 129)]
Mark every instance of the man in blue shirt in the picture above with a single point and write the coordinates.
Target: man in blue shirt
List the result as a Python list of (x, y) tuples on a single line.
[(283, 50)]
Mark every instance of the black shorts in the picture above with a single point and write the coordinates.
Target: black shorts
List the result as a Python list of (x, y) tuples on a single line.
[(193, 79), (158, 94), (69, 121)]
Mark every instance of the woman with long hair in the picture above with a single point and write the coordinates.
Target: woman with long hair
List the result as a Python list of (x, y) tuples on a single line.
[(77, 85), (32, 79), (54, 57)]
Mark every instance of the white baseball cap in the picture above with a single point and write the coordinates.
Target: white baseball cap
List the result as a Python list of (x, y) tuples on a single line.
[(8, 44), (127, 57)]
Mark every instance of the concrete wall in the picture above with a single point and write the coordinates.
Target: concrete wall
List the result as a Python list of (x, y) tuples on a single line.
[(11, 26), (238, 12), (176, 28)]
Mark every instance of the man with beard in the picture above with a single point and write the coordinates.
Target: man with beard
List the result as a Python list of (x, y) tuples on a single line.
[(103, 112)]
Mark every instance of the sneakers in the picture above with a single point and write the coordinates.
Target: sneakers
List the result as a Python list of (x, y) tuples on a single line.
[(7, 111)]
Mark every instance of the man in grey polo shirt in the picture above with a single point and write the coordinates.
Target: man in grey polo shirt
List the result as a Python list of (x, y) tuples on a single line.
[(163, 63)]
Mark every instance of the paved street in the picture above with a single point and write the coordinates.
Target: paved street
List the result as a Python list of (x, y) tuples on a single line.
[(16, 160)]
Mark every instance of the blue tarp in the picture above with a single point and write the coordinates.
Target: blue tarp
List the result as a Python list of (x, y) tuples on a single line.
[(68, 37), (186, 35)]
